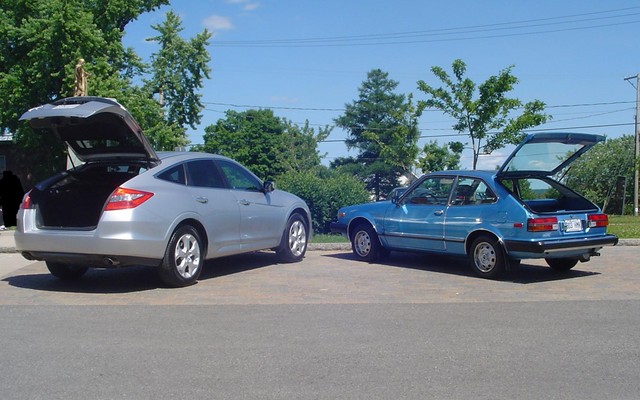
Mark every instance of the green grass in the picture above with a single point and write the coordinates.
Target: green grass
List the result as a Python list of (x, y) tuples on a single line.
[(624, 226), (328, 238)]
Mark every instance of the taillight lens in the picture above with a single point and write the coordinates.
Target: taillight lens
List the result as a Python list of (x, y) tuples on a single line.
[(122, 199), (26, 201), (542, 224), (598, 220)]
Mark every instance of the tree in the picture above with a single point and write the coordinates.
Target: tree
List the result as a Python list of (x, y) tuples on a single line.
[(383, 126), (41, 42), (595, 173), (263, 142), (178, 71), (486, 119), (439, 158)]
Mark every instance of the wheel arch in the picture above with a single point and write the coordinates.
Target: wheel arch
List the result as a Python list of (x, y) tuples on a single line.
[(305, 214), (197, 225), (357, 221), (476, 234)]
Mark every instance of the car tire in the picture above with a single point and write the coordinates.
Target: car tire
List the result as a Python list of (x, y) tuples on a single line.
[(561, 264), (487, 257), (293, 244), (183, 259), (365, 243), (65, 271)]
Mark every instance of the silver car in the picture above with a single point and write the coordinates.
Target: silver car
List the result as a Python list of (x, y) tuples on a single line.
[(124, 204)]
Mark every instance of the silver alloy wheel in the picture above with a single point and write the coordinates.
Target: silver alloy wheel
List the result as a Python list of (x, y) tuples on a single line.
[(297, 238), (484, 256), (362, 243), (187, 256)]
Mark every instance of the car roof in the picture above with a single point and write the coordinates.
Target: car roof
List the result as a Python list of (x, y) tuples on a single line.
[(179, 156)]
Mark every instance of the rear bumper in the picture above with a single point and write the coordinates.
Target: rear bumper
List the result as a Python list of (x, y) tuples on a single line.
[(91, 260), (544, 247)]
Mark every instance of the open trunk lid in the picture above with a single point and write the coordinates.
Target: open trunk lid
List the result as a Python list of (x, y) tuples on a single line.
[(93, 128), (548, 153)]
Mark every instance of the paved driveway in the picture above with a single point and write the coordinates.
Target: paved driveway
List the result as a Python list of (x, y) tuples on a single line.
[(332, 277), (414, 327)]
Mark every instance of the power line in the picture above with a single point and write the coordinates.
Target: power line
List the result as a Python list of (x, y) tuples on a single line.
[(273, 107), (429, 110), (439, 35)]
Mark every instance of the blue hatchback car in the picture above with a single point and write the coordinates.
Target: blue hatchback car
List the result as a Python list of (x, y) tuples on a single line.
[(495, 218)]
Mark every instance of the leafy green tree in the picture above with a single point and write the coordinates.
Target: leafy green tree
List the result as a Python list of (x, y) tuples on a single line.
[(595, 173), (485, 119), (41, 42), (178, 71), (301, 144), (439, 158), (263, 142), (324, 191), (383, 126)]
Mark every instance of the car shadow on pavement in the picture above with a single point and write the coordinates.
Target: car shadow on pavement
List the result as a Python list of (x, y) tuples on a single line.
[(230, 265), (525, 273), (135, 279), (122, 280)]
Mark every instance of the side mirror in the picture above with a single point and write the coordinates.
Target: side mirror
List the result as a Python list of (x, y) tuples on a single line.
[(396, 196), (268, 186)]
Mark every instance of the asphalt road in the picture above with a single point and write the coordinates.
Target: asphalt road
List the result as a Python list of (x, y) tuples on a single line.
[(413, 327)]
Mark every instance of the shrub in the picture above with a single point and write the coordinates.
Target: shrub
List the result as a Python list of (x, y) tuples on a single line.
[(325, 192)]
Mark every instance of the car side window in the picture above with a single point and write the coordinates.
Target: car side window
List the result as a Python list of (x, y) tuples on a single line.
[(433, 191), (174, 174), (203, 173), (470, 191), (238, 177)]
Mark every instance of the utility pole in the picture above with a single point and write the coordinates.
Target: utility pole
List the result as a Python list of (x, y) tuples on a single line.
[(637, 142)]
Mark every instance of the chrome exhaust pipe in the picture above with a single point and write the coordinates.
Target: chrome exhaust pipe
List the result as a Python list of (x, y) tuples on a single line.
[(111, 261)]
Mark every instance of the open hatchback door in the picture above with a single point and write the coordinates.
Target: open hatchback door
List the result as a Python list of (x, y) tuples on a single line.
[(93, 128), (547, 153)]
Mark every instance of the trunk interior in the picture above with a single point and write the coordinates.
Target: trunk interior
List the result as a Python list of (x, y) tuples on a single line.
[(544, 195), (74, 199), (559, 205)]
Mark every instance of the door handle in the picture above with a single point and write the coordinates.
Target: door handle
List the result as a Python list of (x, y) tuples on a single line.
[(438, 212), (244, 202), (202, 200)]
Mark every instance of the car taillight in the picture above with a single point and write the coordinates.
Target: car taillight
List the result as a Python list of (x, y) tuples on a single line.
[(598, 220), (26, 201), (542, 224), (122, 199)]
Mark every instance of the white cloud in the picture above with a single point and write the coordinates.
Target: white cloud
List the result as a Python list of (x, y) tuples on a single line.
[(247, 5), (218, 23), (251, 6)]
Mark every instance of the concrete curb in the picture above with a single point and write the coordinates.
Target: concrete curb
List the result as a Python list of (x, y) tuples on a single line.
[(8, 248), (347, 246)]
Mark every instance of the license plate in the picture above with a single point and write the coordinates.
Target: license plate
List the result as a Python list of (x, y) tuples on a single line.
[(572, 225)]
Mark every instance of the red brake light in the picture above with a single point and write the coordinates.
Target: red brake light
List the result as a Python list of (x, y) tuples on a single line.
[(542, 224), (26, 201), (122, 199), (598, 220)]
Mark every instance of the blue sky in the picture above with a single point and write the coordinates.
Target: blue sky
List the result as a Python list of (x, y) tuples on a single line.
[(306, 59)]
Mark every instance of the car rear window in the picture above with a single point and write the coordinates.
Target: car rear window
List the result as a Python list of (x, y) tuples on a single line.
[(174, 174)]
